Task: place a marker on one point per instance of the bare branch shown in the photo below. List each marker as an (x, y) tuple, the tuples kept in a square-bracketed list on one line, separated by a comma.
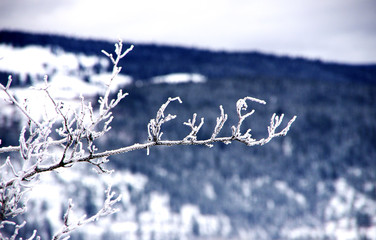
[(220, 122), (107, 209), (154, 126), (15, 102), (194, 129), (115, 71)]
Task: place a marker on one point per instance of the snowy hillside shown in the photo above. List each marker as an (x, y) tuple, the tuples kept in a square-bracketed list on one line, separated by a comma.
[(69, 75), (318, 182)]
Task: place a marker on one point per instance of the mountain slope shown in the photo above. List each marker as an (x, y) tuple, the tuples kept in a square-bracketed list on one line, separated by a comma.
[(153, 60)]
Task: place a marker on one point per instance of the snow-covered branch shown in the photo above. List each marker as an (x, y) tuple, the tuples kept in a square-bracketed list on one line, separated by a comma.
[(77, 130), (40, 151), (13, 100), (17, 228), (155, 133), (69, 225)]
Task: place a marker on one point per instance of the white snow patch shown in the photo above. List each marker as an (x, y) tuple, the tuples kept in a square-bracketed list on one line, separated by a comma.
[(342, 222), (69, 87), (104, 79), (303, 232), (158, 220), (209, 225), (119, 227), (159, 204), (65, 77), (187, 214), (31, 59), (209, 191), (176, 78), (88, 61), (261, 181), (338, 205), (136, 180), (38, 103), (61, 87), (270, 204), (37, 60), (369, 186), (287, 147), (321, 187), (247, 188), (92, 231), (284, 188), (47, 198), (161, 223), (357, 172)]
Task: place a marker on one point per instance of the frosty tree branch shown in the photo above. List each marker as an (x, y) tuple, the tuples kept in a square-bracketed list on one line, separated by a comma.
[(40, 151), (14, 101), (17, 227), (107, 209)]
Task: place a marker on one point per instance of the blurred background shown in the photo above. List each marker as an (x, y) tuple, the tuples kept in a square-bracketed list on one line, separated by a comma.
[(316, 60)]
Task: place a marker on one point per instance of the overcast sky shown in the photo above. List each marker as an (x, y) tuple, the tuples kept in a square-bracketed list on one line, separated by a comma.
[(330, 30)]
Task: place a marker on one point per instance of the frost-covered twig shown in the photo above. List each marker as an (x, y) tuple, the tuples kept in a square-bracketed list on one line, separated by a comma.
[(69, 226), (220, 122), (15, 102), (16, 230), (155, 133), (41, 152), (115, 71), (154, 126), (194, 129)]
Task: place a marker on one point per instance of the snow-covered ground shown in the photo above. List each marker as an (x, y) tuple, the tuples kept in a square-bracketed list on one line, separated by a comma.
[(176, 78), (66, 74)]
